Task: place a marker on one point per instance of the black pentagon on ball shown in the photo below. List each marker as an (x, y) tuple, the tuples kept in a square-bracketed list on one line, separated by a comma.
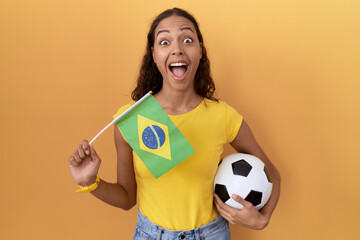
[(222, 192), (254, 197), (241, 168)]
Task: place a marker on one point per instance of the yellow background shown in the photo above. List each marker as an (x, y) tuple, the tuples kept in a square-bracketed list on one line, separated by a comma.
[(291, 68)]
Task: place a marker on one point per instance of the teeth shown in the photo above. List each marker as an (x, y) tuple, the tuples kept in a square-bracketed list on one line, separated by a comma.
[(177, 64)]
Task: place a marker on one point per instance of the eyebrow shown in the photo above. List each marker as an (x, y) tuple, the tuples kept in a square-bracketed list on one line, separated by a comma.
[(167, 31)]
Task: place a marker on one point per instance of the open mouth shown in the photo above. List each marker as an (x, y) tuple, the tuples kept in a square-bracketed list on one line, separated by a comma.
[(178, 69)]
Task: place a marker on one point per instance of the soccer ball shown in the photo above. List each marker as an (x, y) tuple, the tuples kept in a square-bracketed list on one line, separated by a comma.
[(244, 175)]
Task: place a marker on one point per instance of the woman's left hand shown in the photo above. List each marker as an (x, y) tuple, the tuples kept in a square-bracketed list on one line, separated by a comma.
[(248, 217)]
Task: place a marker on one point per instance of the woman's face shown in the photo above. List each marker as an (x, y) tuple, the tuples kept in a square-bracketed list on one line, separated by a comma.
[(177, 52)]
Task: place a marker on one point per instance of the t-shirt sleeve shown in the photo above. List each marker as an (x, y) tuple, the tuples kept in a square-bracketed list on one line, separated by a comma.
[(233, 122), (122, 109)]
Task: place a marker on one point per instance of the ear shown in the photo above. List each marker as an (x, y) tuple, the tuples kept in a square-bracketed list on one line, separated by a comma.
[(153, 55)]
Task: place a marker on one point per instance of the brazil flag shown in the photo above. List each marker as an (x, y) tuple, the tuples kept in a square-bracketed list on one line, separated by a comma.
[(154, 137)]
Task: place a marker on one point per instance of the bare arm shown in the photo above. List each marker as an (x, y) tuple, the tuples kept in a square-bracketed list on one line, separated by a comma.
[(249, 217), (121, 194)]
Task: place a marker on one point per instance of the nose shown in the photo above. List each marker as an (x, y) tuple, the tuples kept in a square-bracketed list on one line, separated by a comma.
[(177, 50)]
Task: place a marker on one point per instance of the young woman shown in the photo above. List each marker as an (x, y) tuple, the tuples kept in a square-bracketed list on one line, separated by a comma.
[(180, 204)]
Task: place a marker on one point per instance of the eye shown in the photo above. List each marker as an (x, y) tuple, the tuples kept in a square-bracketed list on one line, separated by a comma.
[(164, 42), (188, 40)]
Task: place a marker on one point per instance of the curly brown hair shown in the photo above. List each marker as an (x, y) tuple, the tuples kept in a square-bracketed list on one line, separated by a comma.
[(150, 77)]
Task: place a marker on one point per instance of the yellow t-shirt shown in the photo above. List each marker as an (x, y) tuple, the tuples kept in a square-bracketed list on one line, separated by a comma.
[(182, 198)]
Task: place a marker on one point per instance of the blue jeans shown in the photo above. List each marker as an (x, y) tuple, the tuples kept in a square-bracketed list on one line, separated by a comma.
[(215, 230)]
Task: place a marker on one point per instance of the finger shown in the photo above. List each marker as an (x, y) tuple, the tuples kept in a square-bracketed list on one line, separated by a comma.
[(93, 154), (222, 210), (72, 161), (227, 217), (86, 146), (77, 157), (81, 151), (218, 201), (242, 201), (221, 205)]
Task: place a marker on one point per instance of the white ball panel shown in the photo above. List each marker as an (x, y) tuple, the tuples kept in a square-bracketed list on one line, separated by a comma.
[(266, 194), (240, 186), (257, 180), (224, 170), (232, 203), (222, 179), (261, 205), (223, 173)]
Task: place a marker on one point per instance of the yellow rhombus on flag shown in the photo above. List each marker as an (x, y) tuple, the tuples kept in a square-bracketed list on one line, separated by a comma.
[(145, 124), (154, 137)]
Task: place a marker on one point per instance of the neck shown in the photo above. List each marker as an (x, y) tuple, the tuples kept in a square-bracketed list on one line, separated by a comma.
[(178, 102)]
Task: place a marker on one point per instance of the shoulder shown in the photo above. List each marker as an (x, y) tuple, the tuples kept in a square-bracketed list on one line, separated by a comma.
[(222, 113), (222, 110)]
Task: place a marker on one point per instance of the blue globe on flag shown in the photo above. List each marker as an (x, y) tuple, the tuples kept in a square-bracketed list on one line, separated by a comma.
[(153, 137)]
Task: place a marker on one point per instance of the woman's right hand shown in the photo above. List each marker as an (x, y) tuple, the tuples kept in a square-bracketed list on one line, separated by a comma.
[(84, 164)]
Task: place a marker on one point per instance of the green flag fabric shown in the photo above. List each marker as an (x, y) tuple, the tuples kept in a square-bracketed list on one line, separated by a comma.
[(154, 137)]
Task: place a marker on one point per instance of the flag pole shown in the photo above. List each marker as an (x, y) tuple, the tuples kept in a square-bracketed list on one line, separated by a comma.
[(122, 115)]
